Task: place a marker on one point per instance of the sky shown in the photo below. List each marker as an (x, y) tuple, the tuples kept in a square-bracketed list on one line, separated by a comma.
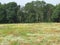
[(23, 2)]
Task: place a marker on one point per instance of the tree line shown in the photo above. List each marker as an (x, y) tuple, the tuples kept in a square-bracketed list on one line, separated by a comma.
[(32, 12)]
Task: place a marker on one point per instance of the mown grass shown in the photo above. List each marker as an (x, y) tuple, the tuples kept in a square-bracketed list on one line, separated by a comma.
[(30, 34)]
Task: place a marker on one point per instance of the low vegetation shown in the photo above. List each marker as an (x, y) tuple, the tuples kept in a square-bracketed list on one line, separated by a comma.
[(30, 34)]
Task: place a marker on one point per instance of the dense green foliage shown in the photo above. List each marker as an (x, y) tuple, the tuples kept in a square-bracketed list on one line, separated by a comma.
[(33, 12)]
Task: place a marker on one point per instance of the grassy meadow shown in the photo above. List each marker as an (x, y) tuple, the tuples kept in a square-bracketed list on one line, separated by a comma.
[(30, 34)]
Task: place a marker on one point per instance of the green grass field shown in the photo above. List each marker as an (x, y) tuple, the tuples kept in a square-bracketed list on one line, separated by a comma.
[(30, 34)]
